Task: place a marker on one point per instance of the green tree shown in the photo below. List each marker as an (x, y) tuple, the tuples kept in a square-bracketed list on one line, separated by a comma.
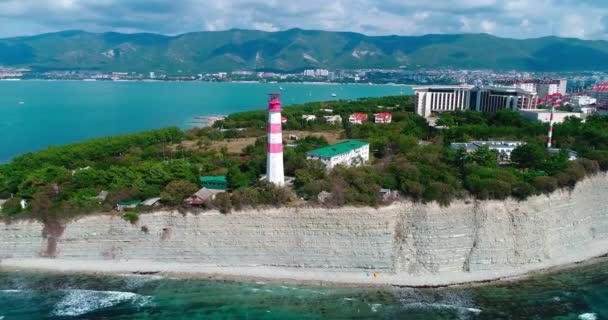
[(176, 191), (529, 156), (237, 179), (485, 157)]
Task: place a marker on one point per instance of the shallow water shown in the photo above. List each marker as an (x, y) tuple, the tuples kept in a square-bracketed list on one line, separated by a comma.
[(580, 293), (36, 114)]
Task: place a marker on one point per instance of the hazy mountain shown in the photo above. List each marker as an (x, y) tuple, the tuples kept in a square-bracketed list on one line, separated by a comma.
[(294, 50)]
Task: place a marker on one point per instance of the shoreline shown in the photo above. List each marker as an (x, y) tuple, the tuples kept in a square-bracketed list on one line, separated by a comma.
[(300, 276), (220, 82)]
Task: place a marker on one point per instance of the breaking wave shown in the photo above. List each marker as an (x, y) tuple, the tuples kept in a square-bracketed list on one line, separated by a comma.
[(80, 302)]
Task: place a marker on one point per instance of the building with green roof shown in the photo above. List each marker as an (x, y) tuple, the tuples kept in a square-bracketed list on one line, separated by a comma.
[(348, 153), (214, 182)]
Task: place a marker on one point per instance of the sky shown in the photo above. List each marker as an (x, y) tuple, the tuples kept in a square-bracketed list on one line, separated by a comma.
[(586, 19)]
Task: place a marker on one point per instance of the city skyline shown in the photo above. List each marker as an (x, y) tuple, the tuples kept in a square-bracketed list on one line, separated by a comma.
[(511, 18)]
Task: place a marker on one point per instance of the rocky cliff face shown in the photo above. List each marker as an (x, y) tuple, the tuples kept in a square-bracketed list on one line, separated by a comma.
[(468, 237)]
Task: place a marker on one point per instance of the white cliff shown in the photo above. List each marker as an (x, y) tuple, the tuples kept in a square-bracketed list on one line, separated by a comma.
[(406, 243)]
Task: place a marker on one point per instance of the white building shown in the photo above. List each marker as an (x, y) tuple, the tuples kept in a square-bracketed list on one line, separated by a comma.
[(461, 98), (348, 153), (333, 119), (502, 148), (309, 117), (357, 118), (442, 98), (582, 101), (494, 99), (309, 73), (546, 89), (544, 115), (383, 117)]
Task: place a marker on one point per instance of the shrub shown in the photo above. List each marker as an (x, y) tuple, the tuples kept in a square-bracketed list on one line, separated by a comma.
[(591, 167), (545, 184), (484, 188), (246, 197), (131, 217), (12, 207), (440, 192), (222, 202), (601, 156), (176, 191), (413, 189), (522, 190)]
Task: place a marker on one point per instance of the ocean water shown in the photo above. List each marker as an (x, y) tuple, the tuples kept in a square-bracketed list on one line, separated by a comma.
[(36, 114), (580, 293)]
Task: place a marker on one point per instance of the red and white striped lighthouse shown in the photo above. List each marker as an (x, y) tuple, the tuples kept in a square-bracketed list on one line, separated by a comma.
[(551, 123), (274, 164)]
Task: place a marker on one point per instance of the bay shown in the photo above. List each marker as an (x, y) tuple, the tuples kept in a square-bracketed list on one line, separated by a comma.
[(37, 114), (579, 293)]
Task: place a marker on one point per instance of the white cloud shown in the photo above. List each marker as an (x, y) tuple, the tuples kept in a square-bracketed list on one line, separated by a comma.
[(509, 18)]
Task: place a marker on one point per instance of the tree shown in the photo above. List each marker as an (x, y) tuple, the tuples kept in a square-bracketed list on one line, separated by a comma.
[(42, 203), (485, 157), (176, 191), (237, 178), (528, 156)]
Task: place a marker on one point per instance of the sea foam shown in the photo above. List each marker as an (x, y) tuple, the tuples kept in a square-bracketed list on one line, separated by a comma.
[(588, 316), (80, 302)]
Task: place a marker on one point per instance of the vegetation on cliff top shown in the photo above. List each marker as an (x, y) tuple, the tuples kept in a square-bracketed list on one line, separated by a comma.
[(408, 156)]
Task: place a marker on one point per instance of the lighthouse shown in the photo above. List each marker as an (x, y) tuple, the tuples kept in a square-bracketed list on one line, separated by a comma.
[(274, 164)]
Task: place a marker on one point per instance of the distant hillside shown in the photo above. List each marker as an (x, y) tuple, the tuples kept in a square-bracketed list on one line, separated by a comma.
[(294, 50)]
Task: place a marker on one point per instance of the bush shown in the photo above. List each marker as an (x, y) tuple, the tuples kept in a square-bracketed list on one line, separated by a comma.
[(591, 167), (176, 191), (440, 192), (246, 197), (573, 174), (131, 217), (484, 188), (522, 190), (222, 202), (12, 207), (545, 184), (413, 189), (601, 156)]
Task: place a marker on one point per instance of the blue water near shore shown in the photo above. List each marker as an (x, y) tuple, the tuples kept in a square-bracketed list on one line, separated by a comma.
[(581, 293), (36, 114)]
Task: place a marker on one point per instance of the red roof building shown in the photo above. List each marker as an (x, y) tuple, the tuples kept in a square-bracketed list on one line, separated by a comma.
[(283, 119), (384, 117), (357, 118)]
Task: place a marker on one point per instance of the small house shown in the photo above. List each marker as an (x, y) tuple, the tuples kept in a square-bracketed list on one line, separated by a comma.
[(124, 205), (204, 194), (309, 117), (357, 118), (283, 119), (333, 119), (214, 182), (383, 117), (572, 155), (152, 202)]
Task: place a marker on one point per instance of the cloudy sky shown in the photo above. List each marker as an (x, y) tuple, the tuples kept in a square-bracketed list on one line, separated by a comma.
[(509, 18)]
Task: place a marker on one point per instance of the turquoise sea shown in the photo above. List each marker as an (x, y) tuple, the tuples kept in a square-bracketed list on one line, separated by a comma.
[(36, 114), (575, 294)]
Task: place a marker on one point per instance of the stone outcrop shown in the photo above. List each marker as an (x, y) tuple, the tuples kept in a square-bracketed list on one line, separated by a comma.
[(411, 239)]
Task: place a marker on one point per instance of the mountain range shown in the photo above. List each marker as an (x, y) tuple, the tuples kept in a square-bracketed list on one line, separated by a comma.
[(295, 50)]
